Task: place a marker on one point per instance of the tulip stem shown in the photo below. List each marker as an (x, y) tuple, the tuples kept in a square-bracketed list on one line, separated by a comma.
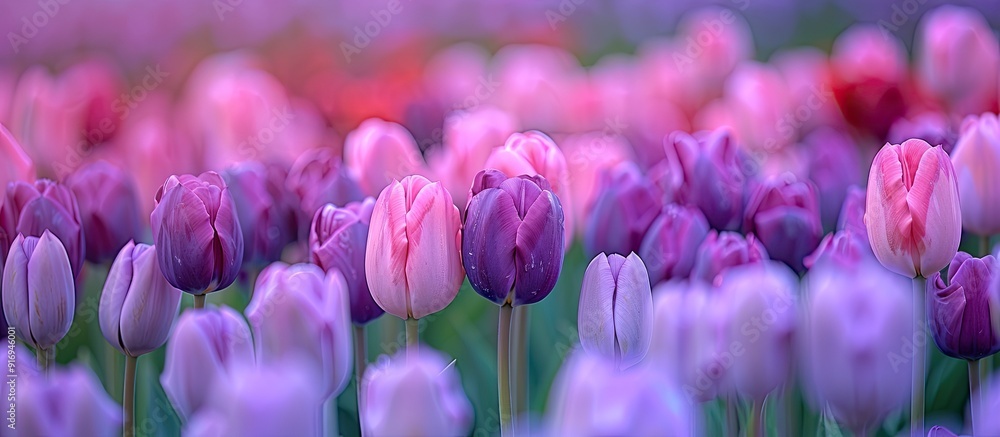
[(503, 369), (732, 416), (199, 301), (919, 358), (975, 402), (43, 359), (128, 399), (984, 245), (412, 335), (756, 421), (519, 356), (360, 359)]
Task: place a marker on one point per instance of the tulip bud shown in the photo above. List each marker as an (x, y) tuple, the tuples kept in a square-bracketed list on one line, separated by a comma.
[(32, 208), (625, 206), (15, 165), (138, 305), (109, 207), (960, 312), (784, 214), (39, 294), (417, 394), (977, 168), (199, 241), (268, 218), (66, 401), (205, 345), (720, 251), (337, 240), (710, 166), (417, 233), (958, 59), (834, 166), (616, 309), (378, 152), (912, 213), (298, 309), (318, 177), (513, 245), (671, 242)]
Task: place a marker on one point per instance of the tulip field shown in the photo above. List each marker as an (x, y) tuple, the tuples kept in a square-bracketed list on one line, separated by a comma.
[(524, 218)]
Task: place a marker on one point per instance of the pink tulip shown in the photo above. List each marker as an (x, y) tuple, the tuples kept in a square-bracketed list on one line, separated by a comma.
[(587, 155), (378, 152), (416, 230), (760, 104), (912, 213), (469, 139), (958, 59), (15, 165), (977, 167)]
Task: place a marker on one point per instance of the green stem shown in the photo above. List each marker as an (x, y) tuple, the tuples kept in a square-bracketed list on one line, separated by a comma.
[(412, 336), (756, 421), (503, 369), (43, 359), (732, 416), (975, 402), (128, 399), (984, 245), (519, 358), (199, 301), (360, 360), (919, 359)]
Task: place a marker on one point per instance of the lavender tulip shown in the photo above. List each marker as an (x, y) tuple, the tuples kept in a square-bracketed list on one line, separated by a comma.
[(199, 242), (711, 168), (784, 214), (66, 401), (267, 216), (337, 240), (616, 309), (512, 247), (834, 166), (109, 207), (39, 295), (669, 246), (960, 312), (319, 177), (720, 251), (625, 206), (32, 208)]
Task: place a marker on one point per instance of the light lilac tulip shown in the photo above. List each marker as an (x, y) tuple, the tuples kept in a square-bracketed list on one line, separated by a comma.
[(39, 292), (616, 309), (378, 151), (66, 401), (977, 168)]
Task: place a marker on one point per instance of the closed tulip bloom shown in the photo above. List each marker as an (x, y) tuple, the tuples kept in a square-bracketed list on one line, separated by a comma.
[(39, 294), (32, 208), (960, 312), (416, 394), (616, 309), (199, 241), (66, 401), (834, 166), (319, 177), (300, 309), (723, 250), (267, 216), (784, 214), (512, 247), (109, 207), (205, 345), (417, 233), (977, 167), (625, 207), (337, 240), (138, 305), (672, 240), (379, 151), (912, 213), (958, 59), (15, 165), (710, 168)]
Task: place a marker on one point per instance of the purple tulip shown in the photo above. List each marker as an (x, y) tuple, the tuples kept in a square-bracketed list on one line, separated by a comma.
[(32, 208), (784, 214), (266, 213), (199, 242), (319, 177), (834, 166), (300, 309), (933, 127), (39, 293), (721, 251), (960, 312), (66, 401), (843, 247), (338, 238), (138, 305), (616, 309), (205, 345), (109, 207), (671, 241), (416, 394), (625, 205), (512, 247), (711, 171)]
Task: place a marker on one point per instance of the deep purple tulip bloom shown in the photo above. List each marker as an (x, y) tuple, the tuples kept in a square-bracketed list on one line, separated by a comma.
[(712, 172), (32, 208), (39, 292), (671, 242), (66, 401), (512, 247), (721, 251), (834, 166), (109, 207), (338, 238), (960, 312), (267, 215), (784, 214), (319, 177), (625, 205), (199, 241)]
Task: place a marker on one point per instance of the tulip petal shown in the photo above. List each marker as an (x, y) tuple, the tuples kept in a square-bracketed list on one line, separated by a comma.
[(633, 311), (230, 245), (113, 294), (934, 205), (595, 320), (887, 215), (540, 239), (150, 307), (51, 292), (488, 244), (385, 270), (434, 266), (15, 286)]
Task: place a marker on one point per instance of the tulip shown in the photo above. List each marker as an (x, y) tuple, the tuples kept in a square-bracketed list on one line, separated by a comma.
[(299, 309), (758, 98), (337, 240), (378, 152), (977, 162), (784, 214), (869, 68), (844, 246), (934, 127), (959, 311), (31, 209), (267, 216), (513, 245), (318, 177), (199, 241), (587, 156), (710, 168), (761, 303), (912, 214), (15, 164), (39, 294), (414, 395), (834, 166), (590, 397), (469, 139), (205, 345), (723, 250), (616, 309), (958, 59), (671, 241), (109, 207), (66, 401), (415, 228), (625, 206)]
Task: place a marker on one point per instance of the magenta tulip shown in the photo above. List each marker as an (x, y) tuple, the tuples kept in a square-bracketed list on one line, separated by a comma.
[(338, 238), (378, 152), (958, 59), (709, 166), (616, 309), (468, 140), (109, 207)]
